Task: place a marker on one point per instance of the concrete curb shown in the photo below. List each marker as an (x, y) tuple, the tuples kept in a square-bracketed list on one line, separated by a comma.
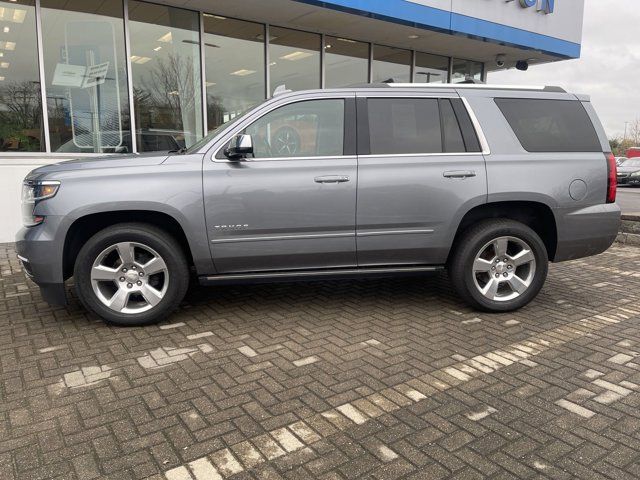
[(630, 230)]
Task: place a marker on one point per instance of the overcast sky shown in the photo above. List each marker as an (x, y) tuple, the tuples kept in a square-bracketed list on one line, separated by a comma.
[(609, 69)]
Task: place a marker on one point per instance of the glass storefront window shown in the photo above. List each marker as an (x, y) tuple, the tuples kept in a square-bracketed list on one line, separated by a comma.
[(391, 64), (20, 96), (294, 59), (431, 68), (466, 70), (235, 63), (86, 80), (165, 64), (346, 62)]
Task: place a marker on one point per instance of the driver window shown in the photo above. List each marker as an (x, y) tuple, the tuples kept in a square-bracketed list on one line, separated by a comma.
[(313, 128)]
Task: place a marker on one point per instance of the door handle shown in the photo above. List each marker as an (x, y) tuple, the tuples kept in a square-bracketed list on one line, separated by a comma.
[(332, 179), (459, 174)]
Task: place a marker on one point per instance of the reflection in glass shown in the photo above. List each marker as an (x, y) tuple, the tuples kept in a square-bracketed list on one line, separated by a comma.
[(20, 97), (466, 70), (346, 62), (85, 71), (391, 65), (294, 59), (165, 64), (234, 56), (431, 68)]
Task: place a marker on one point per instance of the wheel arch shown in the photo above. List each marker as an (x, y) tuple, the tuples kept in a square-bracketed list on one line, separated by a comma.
[(536, 215), (88, 225)]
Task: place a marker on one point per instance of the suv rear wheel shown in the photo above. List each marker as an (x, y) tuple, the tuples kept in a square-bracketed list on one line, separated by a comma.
[(131, 274), (499, 265)]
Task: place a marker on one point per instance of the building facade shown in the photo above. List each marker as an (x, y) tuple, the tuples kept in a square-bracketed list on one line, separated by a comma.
[(92, 77)]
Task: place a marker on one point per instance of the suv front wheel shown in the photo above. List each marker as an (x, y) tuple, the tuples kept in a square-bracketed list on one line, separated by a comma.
[(499, 265), (131, 274)]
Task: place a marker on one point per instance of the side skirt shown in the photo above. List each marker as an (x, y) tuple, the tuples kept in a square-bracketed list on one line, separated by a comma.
[(317, 275)]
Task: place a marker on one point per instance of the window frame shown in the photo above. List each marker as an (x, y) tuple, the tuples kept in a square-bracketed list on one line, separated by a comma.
[(216, 151), (470, 130)]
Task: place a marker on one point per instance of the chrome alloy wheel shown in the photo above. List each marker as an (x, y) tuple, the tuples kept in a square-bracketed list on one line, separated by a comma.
[(504, 269), (129, 277)]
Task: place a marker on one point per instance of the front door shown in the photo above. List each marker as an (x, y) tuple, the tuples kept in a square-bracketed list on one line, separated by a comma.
[(292, 204), (421, 168)]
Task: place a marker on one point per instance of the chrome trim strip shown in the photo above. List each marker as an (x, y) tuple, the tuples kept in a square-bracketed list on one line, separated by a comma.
[(282, 159), (394, 232), (22, 259), (318, 273), (43, 83), (486, 150), (127, 52), (283, 237), (419, 155)]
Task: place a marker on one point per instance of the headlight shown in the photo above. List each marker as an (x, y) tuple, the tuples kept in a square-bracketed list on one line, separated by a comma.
[(34, 192)]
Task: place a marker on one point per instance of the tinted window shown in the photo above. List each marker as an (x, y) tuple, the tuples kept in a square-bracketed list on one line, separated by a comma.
[(452, 136), (550, 125), (404, 125), (305, 129)]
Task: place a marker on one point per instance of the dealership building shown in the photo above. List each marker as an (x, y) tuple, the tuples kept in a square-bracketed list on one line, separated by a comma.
[(89, 77)]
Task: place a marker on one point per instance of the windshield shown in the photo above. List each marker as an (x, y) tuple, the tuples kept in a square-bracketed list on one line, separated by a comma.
[(218, 130)]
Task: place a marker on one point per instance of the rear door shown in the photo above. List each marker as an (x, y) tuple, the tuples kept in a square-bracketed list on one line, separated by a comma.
[(420, 168)]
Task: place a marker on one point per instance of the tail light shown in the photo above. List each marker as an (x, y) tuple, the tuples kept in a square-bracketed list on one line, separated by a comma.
[(612, 178)]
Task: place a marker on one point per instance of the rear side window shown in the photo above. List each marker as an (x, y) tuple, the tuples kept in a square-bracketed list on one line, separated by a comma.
[(550, 125), (404, 125)]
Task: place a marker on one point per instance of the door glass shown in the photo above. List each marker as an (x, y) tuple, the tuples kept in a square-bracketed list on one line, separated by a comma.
[(85, 70), (20, 96), (391, 65), (234, 55), (404, 125), (346, 62), (165, 65), (294, 59), (305, 129), (466, 70), (431, 68)]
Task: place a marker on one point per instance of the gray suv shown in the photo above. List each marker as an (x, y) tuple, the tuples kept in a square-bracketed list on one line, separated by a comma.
[(489, 182)]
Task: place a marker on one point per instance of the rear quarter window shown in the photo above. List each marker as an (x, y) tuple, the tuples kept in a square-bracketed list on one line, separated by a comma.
[(550, 125)]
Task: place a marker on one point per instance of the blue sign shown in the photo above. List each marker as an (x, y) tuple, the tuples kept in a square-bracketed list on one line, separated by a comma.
[(546, 6)]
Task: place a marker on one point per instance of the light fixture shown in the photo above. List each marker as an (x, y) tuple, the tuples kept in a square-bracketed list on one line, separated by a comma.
[(175, 92), (209, 84), (346, 40), (272, 64), (15, 15), (7, 46), (1, 54), (243, 72), (297, 55), (4, 64), (1, 79), (327, 46), (211, 15), (413, 37), (6, 29), (166, 38), (157, 49)]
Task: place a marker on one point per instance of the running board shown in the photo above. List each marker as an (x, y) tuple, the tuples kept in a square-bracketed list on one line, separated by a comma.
[(313, 275)]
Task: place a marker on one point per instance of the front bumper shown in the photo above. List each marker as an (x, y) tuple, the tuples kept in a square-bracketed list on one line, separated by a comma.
[(40, 255), (587, 231)]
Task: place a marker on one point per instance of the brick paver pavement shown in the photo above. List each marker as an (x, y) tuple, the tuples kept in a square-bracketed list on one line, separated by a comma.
[(371, 379)]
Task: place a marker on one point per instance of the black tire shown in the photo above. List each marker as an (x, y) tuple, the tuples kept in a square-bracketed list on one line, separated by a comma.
[(164, 244), (472, 241)]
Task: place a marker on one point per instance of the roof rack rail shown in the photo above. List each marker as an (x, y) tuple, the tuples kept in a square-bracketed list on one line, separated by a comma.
[(482, 86)]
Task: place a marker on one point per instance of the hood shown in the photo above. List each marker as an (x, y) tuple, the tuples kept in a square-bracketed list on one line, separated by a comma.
[(101, 163)]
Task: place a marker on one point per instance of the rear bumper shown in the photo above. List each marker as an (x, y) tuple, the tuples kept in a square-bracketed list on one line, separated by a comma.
[(587, 231), (41, 258)]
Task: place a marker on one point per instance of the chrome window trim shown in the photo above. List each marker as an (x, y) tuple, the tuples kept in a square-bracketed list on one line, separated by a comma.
[(484, 145), (267, 108), (285, 159), (420, 155)]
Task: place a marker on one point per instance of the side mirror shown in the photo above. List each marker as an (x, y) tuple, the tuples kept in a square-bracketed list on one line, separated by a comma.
[(239, 147)]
